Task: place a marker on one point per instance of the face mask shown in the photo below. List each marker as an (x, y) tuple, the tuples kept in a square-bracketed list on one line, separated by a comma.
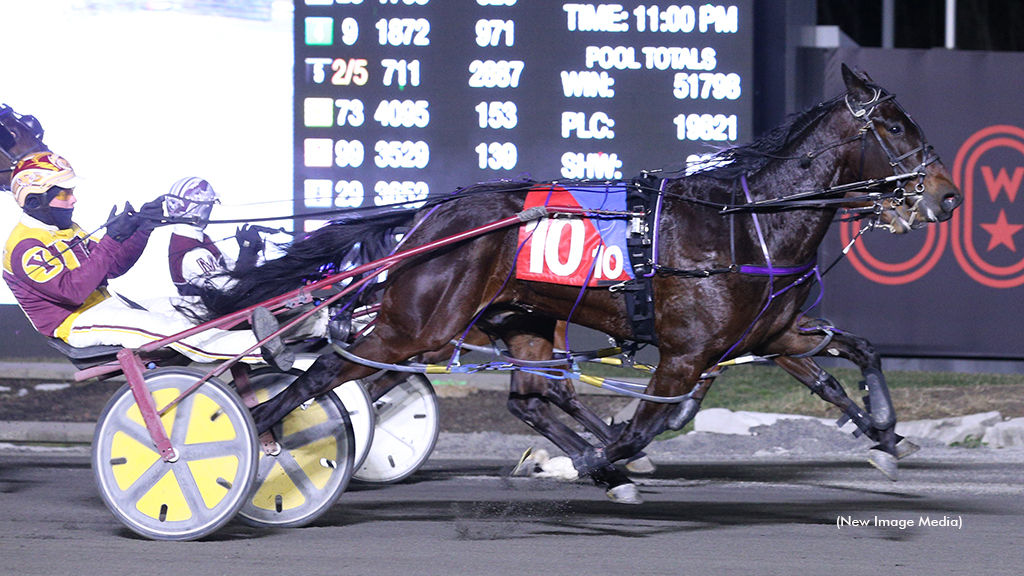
[(61, 217), (204, 216)]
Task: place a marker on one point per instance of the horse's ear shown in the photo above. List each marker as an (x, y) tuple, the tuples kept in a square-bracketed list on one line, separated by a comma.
[(856, 84)]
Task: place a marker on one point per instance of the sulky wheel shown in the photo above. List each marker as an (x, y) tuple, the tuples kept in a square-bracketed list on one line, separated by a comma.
[(298, 484), (364, 418), (215, 440), (405, 434), (356, 400)]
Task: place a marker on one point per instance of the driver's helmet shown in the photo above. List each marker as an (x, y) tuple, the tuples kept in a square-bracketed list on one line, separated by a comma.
[(192, 198), (38, 172)]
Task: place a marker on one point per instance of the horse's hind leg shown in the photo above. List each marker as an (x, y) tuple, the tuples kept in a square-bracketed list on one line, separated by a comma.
[(530, 338), (676, 375), (325, 374), (557, 392), (563, 394)]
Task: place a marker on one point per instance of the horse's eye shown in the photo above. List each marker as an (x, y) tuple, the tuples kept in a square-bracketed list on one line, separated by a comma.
[(895, 129)]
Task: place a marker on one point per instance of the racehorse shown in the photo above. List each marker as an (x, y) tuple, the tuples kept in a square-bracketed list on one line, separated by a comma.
[(20, 135), (732, 275)]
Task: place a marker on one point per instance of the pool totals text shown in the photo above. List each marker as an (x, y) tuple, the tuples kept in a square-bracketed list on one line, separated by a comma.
[(398, 100)]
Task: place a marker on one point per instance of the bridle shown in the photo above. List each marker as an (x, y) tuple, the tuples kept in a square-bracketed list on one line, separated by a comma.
[(903, 172), (28, 123), (897, 162)]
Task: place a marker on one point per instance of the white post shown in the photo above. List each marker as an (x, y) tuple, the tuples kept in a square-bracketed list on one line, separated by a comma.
[(950, 24)]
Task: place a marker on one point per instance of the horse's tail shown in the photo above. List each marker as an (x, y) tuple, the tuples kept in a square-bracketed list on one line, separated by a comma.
[(340, 244)]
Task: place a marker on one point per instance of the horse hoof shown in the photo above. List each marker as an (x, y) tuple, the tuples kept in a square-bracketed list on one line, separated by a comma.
[(641, 465), (905, 448), (625, 494), (885, 462), (530, 462)]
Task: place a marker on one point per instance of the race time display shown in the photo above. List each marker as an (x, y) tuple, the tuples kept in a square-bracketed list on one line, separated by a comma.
[(397, 100)]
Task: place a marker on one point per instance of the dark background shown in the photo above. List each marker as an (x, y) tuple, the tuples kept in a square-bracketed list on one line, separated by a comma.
[(945, 312), (980, 24)]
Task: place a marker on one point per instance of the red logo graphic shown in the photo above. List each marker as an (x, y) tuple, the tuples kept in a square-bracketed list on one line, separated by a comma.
[(985, 233)]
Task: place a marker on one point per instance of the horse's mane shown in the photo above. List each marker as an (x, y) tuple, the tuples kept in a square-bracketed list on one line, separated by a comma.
[(748, 159)]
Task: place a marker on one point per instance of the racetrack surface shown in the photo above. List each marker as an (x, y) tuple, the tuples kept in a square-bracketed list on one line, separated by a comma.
[(752, 515), (782, 501)]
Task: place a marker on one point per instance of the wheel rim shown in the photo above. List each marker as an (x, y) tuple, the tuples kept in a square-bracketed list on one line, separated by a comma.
[(363, 416), (215, 439), (405, 432)]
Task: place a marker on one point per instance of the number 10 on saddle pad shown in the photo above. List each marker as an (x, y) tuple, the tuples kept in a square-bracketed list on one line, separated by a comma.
[(569, 250)]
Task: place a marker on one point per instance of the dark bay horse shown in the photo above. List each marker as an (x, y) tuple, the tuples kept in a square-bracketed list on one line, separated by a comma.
[(749, 223)]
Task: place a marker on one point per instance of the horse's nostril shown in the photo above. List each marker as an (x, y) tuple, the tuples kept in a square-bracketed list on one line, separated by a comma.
[(951, 201)]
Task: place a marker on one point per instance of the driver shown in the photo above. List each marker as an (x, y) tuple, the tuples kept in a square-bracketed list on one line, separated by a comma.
[(59, 274), (196, 264)]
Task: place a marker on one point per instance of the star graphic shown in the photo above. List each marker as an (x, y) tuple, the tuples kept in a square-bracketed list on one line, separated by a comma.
[(1002, 232)]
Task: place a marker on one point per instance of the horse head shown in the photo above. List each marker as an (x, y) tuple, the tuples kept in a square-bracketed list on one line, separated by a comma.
[(893, 147), (20, 135)]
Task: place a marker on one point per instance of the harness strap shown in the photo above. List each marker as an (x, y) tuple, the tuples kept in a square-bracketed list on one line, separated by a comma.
[(638, 292), (774, 271), (829, 334)]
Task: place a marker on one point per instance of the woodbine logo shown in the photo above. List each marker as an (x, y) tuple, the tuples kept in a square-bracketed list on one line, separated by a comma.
[(901, 523), (989, 170)]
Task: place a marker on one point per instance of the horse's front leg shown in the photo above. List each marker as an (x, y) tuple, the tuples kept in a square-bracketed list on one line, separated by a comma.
[(878, 421), (884, 454), (684, 412), (878, 402)]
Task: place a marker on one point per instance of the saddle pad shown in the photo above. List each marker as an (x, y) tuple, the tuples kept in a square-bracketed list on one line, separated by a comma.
[(569, 250)]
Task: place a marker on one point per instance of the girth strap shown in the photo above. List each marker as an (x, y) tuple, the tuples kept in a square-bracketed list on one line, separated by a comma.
[(638, 292)]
